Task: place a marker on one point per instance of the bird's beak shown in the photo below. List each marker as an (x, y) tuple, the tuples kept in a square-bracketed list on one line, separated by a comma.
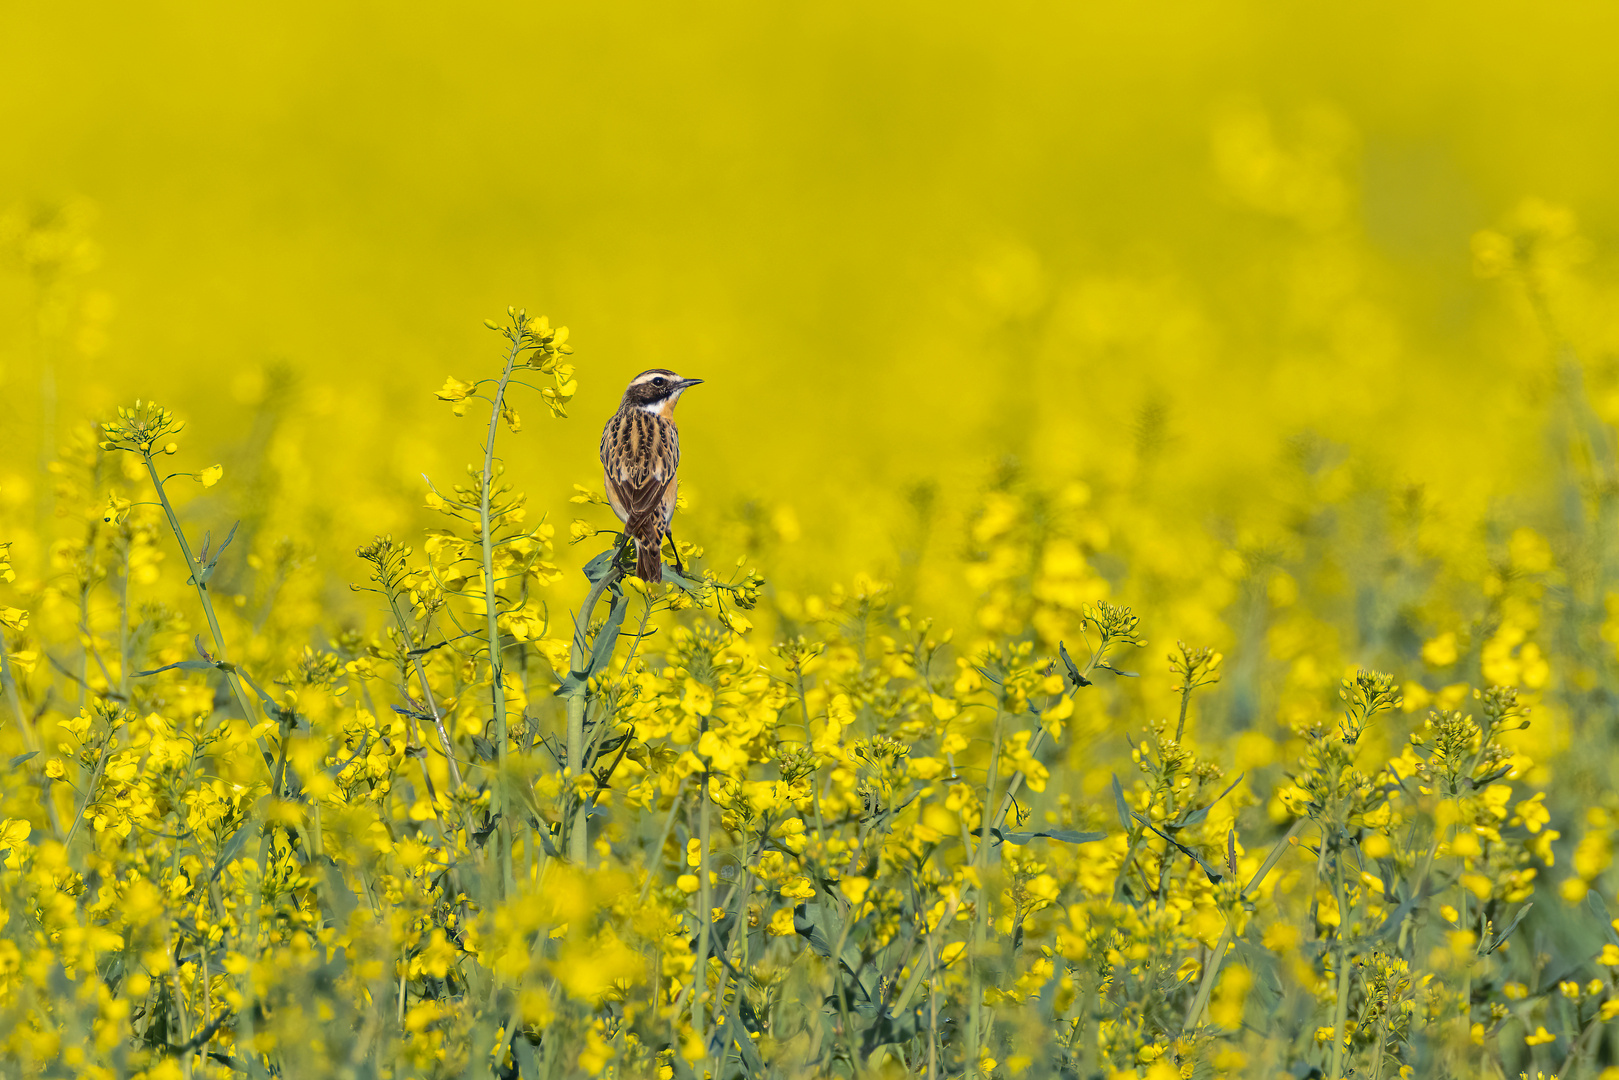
[(684, 383)]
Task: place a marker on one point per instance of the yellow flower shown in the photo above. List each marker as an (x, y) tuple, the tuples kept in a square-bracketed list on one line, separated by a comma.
[(14, 837), (798, 888), (1540, 1035), (454, 390), (211, 475)]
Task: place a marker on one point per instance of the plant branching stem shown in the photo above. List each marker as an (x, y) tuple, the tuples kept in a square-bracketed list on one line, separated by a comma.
[(203, 596), (1016, 783), (255, 819), (1194, 1015), (89, 790)]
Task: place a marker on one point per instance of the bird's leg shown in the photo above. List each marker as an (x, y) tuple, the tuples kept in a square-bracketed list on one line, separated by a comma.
[(675, 548)]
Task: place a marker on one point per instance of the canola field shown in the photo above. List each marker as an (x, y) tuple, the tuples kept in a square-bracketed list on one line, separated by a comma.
[(1147, 600)]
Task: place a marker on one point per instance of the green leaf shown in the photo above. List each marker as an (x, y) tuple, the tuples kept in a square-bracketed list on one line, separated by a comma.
[(1122, 806), (182, 665), (820, 924), (528, 1058), (1594, 901), (208, 570), (270, 704), (1397, 916), (1501, 938), (339, 897), (1067, 836), (229, 850), (601, 651), (685, 581), (20, 758), (1214, 875), (1196, 817), (1074, 676), (890, 1029), (597, 568), (737, 1029)]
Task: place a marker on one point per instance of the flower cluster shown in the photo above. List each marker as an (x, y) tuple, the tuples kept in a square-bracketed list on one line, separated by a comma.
[(716, 828)]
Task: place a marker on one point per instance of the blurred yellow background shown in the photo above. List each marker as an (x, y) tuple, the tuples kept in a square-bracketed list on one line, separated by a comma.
[(1149, 246)]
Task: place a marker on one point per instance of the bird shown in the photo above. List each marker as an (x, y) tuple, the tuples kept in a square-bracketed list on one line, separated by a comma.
[(640, 454)]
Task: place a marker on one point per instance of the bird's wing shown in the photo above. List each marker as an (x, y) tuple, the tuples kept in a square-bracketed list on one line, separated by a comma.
[(640, 453)]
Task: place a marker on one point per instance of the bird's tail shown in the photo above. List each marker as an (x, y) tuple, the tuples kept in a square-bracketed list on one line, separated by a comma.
[(648, 536)]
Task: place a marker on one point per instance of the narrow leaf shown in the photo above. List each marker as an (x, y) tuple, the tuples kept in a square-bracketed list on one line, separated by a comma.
[(1196, 817), (1073, 672), (1123, 807), (208, 570), (183, 665), (601, 652), (597, 568), (1501, 938), (1215, 876), (1595, 902), (1067, 836)]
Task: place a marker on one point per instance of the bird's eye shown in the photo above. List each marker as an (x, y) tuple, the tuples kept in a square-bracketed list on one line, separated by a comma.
[(659, 381)]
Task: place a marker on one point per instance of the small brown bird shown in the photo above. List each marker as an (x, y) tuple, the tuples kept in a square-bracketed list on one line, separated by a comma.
[(640, 453)]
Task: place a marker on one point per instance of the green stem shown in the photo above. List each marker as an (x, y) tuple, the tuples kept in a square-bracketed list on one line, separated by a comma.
[(1340, 1011), (933, 1024), (705, 920), (203, 597), (593, 745), (492, 619), (975, 1019), (1136, 832), (123, 628), (655, 854), (30, 739), (444, 742), (578, 701), (15, 698), (89, 790), (734, 1031)]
